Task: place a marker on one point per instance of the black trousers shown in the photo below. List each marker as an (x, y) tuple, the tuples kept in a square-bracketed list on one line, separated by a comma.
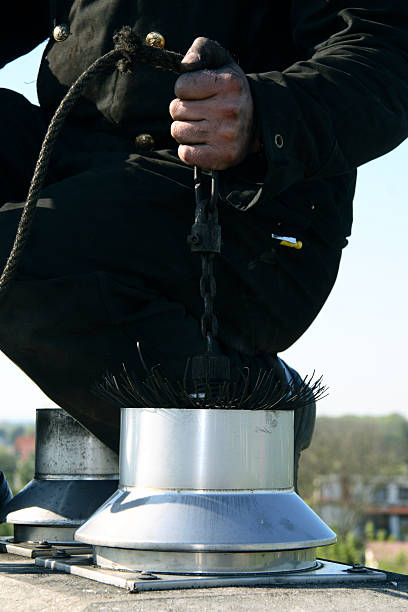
[(107, 266)]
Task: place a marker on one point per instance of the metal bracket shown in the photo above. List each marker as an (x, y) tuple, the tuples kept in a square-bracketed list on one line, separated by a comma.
[(205, 238), (33, 550), (326, 572)]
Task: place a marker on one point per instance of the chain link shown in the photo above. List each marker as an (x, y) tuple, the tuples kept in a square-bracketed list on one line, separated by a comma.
[(206, 240), (208, 287)]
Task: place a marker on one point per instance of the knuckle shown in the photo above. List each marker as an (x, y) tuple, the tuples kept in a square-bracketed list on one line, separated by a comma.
[(232, 81), (231, 111), (229, 133)]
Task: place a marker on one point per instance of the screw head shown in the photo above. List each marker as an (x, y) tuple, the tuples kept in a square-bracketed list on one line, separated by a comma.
[(145, 575), (42, 544), (61, 553)]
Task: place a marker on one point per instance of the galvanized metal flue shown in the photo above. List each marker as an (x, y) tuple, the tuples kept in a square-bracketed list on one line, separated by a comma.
[(74, 474), (205, 492)]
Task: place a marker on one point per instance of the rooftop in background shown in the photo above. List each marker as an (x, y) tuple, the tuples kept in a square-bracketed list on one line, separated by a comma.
[(24, 446)]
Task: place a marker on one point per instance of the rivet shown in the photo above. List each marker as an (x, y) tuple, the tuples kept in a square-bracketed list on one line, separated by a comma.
[(61, 553), (145, 575), (42, 544)]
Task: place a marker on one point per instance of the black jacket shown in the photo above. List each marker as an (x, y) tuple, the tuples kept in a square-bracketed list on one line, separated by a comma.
[(329, 82)]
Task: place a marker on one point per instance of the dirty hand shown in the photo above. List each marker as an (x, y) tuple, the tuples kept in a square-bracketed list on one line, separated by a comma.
[(213, 114)]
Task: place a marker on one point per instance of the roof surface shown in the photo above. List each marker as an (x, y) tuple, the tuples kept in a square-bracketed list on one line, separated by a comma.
[(26, 587)]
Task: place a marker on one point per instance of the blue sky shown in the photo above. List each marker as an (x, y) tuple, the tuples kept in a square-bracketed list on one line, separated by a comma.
[(359, 340)]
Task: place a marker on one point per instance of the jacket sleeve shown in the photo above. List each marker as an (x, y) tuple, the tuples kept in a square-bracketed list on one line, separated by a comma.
[(23, 26), (345, 103)]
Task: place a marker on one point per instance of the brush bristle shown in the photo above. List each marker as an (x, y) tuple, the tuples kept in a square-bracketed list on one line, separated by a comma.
[(267, 392)]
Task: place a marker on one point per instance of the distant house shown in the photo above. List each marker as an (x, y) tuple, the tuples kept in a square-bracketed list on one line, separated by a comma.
[(350, 501), (24, 446)]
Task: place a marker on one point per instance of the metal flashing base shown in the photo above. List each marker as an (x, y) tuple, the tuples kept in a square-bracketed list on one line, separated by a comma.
[(199, 563), (205, 492), (74, 474), (43, 548), (326, 573)]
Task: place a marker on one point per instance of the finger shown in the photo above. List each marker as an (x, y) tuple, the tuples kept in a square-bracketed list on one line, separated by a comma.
[(190, 132), (191, 110), (205, 84), (205, 53), (199, 85), (205, 156)]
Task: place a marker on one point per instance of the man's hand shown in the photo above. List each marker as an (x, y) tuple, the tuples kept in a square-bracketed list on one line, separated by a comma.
[(213, 114)]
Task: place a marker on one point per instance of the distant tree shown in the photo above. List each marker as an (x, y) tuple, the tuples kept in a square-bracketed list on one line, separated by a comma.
[(25, 471), (8, 463), (349, 445), (348, 549), (369, 530), (10, 431)]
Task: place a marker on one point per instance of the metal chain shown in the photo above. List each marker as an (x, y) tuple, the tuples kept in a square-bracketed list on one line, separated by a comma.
[(209, 323), (205, 239)]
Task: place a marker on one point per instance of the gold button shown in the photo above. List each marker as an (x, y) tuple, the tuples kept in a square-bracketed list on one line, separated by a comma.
[(155, 39), (61, 32), (145, 142)]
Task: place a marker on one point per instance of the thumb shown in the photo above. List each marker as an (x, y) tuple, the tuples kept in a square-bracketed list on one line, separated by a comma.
[(205, 53)]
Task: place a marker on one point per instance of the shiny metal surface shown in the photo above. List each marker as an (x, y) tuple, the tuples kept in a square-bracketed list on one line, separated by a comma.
[(35, 533), (205, 562), (206, 449), (65, 448), (40, 546), (74, 474), (326, 574), (61, 32), (215, 521), (206, 491), (58, 502), (155, 39)]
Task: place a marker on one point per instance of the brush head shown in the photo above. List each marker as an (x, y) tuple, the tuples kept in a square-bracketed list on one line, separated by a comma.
[(274, 389)]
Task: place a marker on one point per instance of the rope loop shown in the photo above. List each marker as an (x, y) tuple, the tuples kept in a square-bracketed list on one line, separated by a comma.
[(128, 52), (134, 51), (128, 44)]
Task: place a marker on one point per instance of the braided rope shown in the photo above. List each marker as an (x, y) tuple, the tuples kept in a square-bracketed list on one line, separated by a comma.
[(129, 51)]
